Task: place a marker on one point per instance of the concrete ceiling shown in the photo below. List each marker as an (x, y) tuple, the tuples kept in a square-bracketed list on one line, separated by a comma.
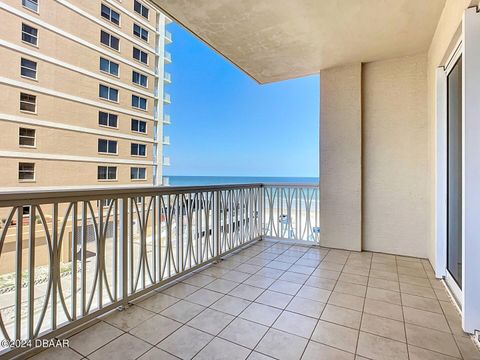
[(273, 40)]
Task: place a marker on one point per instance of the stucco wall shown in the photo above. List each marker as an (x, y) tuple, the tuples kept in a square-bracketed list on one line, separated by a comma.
[(395, 156), (340, 157)]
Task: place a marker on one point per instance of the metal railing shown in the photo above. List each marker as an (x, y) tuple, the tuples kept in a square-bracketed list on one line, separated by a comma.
[(68, 256)]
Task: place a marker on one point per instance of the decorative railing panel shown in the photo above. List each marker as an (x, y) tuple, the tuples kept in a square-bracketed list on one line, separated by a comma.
[(68, 256)]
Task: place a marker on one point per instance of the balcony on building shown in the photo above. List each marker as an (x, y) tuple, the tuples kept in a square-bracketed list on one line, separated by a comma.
[(167, 98), (166, 140), (166, 119), (168, 37), (167, 77), (166, 161), (168, 57)]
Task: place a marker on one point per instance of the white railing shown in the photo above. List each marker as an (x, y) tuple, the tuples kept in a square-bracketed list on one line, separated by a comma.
[(69, 256), (167, 77), (167, 98), (167, 57), (166, 140), (168, 37), (166, 119)]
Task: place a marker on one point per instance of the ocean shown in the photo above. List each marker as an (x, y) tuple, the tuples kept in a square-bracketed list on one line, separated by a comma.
[(220, 180)]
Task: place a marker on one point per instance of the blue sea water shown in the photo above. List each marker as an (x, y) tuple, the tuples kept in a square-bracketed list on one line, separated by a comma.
[(221, 180)]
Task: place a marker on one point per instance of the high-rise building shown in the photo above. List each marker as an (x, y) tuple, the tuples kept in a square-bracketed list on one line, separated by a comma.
[(83, 93)]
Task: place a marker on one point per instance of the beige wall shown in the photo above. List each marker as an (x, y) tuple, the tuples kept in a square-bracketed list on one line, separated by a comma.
[(395, 156), (340, 157)]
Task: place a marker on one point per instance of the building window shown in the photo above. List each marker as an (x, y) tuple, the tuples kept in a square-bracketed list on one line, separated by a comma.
[(107, 173), (108, 93), (26, 210), (107, 146), (28, 68), (30, 4), (140, 32), (26, 137), (139, 102), (109, 66), (139, 79), (110, 15), (140, 8), (107, 119), (109, 40), (140, 55), (28, 103), (139, 126), (138, 173), (138, 149), (29, 34), (26, 171)]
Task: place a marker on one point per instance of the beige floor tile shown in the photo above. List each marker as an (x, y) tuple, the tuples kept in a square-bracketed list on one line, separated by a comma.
[(155, 329), (157, 354), (392, 297), (231, 305), (384, 284), (259, 281), (426, 319), (57, 354), (257, 356), (326, 265), (356, 270), (417, 290), (211, 321), (262, 314), (244, 332), (353, 278), (317, 351), (180, 290), (275, 299), (383, 309), (385, 275), (294, 277), (467, 348), (182, 311), (125, 347), (129, 318), (306, 307), (302, 269), (94, 337), (204, 297), (185, 342), (236, 276), (377, 347), (442, 294), (279, 265), (199, 280), (350, 288), (338, 336), (158, 302), (342, 316), (221, 286), (322, 283), (219, 349), (281, 345), (314, 293), (270, 272), (432, 340), (285, 287), (346, 301), (327, 274), (417, 353), (249, 268), (422, 303), (381, 326), (415, 280), (295, 324), (246, 292)]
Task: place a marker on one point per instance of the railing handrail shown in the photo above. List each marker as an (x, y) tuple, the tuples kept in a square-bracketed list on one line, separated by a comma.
[(7, 197)]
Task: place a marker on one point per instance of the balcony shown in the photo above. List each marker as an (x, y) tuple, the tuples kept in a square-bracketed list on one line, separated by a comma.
[(167, 56), (166, 119), (167, 98), (167, 78), (166, 140), (209, 270), (168, 37), (166, 161)]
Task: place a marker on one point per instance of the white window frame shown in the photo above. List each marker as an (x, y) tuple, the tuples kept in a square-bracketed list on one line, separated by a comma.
[(34, 102), (110, 62), (142, 31), (21, 137), (26, 172), (139, 76), (140, 98), (26, 67), (107, 172), (133, 168), (108, 146), (142, 6), (109, 19), (139, 121), (33, 36), (110, 88), (31, 1), (108, 120), (110, 36), (138, 149), (140, 57)]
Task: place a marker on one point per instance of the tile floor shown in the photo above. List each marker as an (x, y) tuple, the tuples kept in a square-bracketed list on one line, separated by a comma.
[(279, 301)]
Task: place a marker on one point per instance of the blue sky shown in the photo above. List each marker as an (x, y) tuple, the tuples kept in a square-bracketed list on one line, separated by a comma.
[(224, 123)]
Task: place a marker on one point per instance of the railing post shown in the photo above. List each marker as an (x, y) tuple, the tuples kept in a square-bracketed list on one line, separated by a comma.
[(216, 223), (124, 251), (261, 220)]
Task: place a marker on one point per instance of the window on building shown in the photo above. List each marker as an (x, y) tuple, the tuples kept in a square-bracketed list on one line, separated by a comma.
[(108, 93), (26, 210), (140, 32), (107, 119), (26, 171), (28, 68), (140, 8), (107, 146), (109, 66), (28, 102), (139, 102), (138, 173), (139, 126), (29, 34), (140, 55), (139, 79), (138, 149), (110, 15), (30, 4), (109, 40), (107, 173), (26, 137)]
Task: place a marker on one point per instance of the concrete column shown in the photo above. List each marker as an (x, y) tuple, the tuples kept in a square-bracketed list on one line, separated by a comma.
[(341, 157)]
